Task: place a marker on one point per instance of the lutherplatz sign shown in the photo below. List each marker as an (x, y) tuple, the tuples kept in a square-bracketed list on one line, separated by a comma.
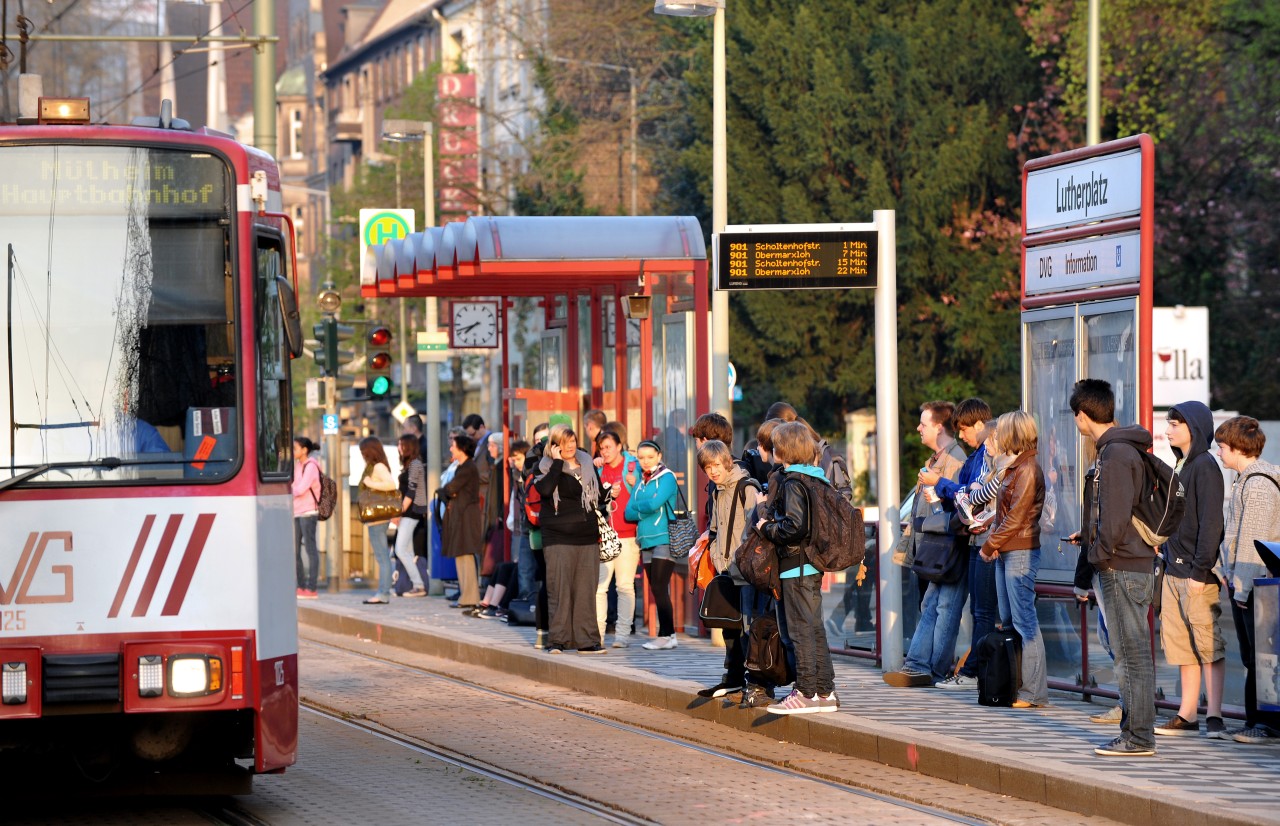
[(1100, 188)]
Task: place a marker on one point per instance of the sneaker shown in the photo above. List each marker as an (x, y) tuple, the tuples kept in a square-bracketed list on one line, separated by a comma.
[(661, 643), (593, 649), (377, 600), (416, 592), (1110, 717), (1215, 729), (828, 703), (721, 688), (301, 591), (1256, 736), (908, 678), (1121, 747), (305, 594), (796, 703), (540, 640), (555, 649), (488, 613), (958, 682), (620, 641), (964, 506), (756, 697), (1178, 726)]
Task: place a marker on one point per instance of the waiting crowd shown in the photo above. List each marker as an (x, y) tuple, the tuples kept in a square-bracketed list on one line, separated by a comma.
[(586, 513)]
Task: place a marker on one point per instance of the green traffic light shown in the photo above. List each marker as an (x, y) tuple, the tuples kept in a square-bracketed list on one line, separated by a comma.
[(380, 386)]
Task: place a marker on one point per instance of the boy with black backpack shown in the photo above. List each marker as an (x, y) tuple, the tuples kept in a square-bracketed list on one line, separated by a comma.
[(1125, 563), (790, 527)]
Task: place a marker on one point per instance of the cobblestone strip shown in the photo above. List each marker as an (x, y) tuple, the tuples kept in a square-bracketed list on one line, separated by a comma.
[(680, 773)]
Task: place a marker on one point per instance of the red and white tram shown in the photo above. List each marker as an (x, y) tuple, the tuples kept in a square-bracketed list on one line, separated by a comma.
[(147, 614)]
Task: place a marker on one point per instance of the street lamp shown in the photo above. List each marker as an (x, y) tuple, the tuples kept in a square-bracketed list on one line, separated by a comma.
[(720, 401), (631, 80), (396, 130)]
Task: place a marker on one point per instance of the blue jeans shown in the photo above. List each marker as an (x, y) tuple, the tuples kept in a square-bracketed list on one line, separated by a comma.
[(526, 566), (933, 645), (377, 533), (305, 552), (1127, 595), (1016, 594), (984, 606)]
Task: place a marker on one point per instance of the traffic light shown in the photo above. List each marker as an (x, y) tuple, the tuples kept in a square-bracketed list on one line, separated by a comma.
[(328, 334), (378, 362)]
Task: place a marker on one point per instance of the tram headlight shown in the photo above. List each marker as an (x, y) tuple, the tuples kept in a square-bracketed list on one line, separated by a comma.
[(192, 675), (150, 676), (15, 683)]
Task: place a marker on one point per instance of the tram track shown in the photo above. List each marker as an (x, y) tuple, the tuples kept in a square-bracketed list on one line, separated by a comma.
[(616, 725)]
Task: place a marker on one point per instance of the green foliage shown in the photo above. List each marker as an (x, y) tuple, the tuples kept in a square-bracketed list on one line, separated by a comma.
[(553, 184), (838, 110)]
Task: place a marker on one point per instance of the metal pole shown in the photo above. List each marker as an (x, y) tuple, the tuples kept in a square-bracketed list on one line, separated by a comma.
[(1094, 125), (334, 558), (432, 426), (264, 77), (887, 440), (720, 402), (635, 168)]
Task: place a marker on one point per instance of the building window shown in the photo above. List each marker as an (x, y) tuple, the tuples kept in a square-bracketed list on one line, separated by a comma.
[(295, 134)]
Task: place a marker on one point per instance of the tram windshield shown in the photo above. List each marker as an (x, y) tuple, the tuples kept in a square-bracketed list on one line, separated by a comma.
[(118, 361)]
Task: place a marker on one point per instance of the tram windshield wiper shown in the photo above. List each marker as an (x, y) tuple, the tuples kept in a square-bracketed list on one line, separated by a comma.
[(105, 463)]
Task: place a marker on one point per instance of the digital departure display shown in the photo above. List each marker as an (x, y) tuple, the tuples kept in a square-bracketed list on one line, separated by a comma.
[(796, 260)]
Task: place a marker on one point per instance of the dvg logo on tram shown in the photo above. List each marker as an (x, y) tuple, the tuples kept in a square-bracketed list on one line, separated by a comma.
[(17, 590)]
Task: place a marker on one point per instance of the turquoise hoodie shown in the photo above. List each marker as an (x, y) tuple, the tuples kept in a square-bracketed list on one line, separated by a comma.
[(649, 506)]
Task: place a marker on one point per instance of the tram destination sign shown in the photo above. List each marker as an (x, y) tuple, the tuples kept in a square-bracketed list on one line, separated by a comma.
[(799, 260)]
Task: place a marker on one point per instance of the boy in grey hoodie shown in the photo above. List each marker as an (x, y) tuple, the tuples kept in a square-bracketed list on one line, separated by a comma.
[(1253, 513), (1190, 631)]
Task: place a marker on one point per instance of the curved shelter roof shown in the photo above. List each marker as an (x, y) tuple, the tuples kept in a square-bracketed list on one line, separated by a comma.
[(532, 256)]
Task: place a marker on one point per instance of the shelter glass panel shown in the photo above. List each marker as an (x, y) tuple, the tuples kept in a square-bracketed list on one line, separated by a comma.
[(1050, 366)]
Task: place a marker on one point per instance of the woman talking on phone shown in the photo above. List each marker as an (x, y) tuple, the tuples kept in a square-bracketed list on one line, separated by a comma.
[(570, 492)]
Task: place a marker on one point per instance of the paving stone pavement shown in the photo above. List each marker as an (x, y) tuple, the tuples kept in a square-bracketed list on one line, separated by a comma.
[(1223, 778)]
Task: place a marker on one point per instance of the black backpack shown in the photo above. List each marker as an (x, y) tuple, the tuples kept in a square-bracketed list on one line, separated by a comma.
[(766, 656), (999, 668), (1161, 502), (837, 539)]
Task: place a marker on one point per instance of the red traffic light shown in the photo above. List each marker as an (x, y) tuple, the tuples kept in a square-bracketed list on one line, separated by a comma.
[(380, 361), (380, 336)]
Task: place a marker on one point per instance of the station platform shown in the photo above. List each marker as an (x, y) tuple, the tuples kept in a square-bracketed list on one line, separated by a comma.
[(1041, 755)]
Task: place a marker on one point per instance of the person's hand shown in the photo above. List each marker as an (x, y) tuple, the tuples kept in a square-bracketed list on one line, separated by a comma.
[(598, 462), (930, 477), (1081, 594), (988, 557), (631, 480), (1074, 538), (760, 524), (1195, 586), (554, 451)]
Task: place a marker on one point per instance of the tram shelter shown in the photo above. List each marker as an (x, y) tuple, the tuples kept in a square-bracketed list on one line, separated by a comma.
[(572, 335)]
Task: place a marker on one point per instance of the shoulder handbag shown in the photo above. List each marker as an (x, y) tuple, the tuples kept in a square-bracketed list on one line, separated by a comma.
[(681, 532), (940, 552), (721, 606), (377, 505), (610, 544)]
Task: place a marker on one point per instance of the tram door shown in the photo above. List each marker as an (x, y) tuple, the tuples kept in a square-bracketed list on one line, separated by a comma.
[(1061, 345)]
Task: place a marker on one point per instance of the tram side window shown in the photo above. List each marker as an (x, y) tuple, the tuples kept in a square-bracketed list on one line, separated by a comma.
[(275, 423)]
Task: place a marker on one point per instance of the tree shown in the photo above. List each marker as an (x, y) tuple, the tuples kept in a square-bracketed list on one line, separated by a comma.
[(836, 110), (1203, 80)]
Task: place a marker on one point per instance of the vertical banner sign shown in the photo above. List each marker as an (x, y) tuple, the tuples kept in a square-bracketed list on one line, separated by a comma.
[(459, 146), (1180, 350)]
